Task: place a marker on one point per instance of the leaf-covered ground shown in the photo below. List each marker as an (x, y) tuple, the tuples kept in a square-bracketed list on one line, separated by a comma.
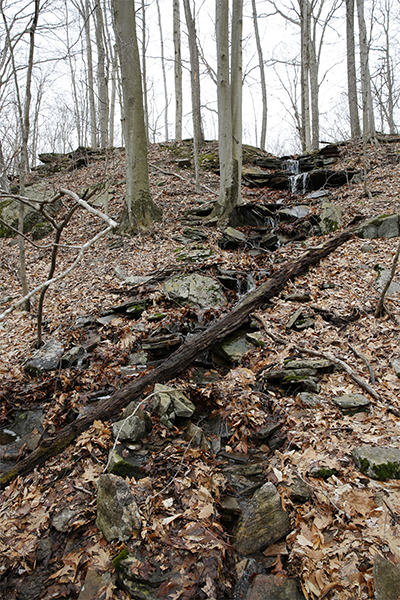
[(349, 517)]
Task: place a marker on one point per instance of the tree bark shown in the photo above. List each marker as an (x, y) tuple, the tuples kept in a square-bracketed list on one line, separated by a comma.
[(164, 73), (181, 359), (194, 72), (102, 76), (139, 209), (351, 71), (177, 70), (368, 112), (262, 76)]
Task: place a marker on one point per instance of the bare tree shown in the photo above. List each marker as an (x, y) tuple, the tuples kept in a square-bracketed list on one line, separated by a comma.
[(177, 70), (262, 75), (351, 71), (367, 106), (229, 107), (139, 209), (102, 76)]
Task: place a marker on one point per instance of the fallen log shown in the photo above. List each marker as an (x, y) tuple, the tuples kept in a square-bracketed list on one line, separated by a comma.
[(180, 359)]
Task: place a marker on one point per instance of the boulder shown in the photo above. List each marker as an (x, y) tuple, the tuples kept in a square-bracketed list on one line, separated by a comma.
[(117, 512), (384, 226), (195, 290), (378, 462), (262, 522), (331, 217)]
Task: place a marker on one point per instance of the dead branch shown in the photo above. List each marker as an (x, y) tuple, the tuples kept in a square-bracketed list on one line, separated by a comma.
[(366, 361), (179, 360), (381, 303)]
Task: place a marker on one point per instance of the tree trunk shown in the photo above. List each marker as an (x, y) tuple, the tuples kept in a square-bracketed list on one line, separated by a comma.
[(229, 93), (144, 71), (164, 74), (102, 77), (368, 112), (351, 71), (180, 360), (304, 77), (314, 92), (195, 72), (177, 70), (262, 76), (139, 209)]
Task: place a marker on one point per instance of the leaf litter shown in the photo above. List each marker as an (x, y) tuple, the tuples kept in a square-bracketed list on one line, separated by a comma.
[(349, 517)]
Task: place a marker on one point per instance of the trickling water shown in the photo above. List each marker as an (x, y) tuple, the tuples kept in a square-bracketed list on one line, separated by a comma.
[(297, 181)]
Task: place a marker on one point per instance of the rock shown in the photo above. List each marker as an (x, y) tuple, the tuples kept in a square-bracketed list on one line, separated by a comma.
[(195, 435), (351, 402), (299, 491), (129, 568), (63, 520), (378, 462), (273, 587), (130, 279), (386, 579), (311, 400), (72, 356), (138, 358), (195, 290), (126, 462), (382, 279), (41, 230), (94, 586), (45, 359), (395, 364), (233, 347), (385, 226), (171, 403), (319, 364), (195, 254), (132, 428), (117, 512), (293, 213), (331, 217), (263, 521)]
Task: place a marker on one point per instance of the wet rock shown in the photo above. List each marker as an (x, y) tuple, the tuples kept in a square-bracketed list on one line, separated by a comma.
[(378, 462), (386, 579), (351, 403), (117, 512), (263, 521), (45, 359), (331, 217), (195, 290), (273, 587), (385, 226)]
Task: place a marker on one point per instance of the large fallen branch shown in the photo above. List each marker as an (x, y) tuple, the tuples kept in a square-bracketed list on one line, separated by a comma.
[(180, 360)]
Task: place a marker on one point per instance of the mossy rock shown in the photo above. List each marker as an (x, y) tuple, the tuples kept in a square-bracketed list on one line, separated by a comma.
[(209, 161), (41, 230), (378, 462)]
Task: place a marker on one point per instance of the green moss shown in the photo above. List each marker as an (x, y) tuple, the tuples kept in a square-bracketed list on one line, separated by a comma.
[(209, 161), (123, 555), (123, 469), (383, 471)]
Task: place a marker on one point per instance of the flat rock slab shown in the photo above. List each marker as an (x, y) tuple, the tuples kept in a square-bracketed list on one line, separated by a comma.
[(386, 579), (351, 402), (195, 290), (263, 521), (272, 587), (378, 462)]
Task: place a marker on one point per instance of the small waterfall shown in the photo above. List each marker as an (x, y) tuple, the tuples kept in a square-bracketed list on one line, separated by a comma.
[(297, 181)]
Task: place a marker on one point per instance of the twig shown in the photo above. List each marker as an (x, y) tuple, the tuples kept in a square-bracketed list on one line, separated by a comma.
[(328, 356), (381, 301), (364, 358)]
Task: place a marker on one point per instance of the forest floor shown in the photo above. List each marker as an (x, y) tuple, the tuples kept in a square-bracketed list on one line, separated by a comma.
[(349, 517)]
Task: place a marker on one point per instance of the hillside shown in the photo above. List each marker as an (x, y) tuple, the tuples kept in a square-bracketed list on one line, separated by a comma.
[(250, 429)]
